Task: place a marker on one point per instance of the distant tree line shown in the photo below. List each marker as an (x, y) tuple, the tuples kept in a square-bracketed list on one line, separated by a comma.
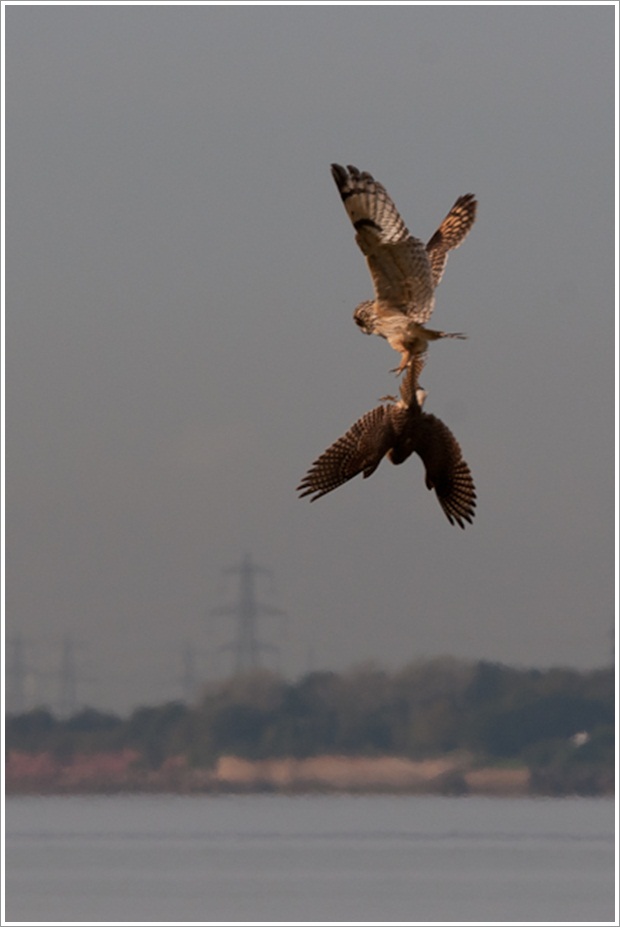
[(558, 722)]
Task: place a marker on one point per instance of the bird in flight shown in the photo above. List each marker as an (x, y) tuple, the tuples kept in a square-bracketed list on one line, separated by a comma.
[(397, 430), (405, 272)]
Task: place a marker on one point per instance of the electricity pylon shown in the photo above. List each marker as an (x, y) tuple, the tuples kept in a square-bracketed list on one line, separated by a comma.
[(67, 678), (16, 676), (247, 611)]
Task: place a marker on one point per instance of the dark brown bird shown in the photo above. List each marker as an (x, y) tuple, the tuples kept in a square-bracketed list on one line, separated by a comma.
[(397, 430), (404, 271)]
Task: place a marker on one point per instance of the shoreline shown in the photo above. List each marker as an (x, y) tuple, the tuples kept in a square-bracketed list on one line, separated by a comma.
[(126, 772)]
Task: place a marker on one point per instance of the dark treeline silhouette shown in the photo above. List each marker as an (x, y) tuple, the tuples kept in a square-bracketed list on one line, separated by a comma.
[(557, 722)]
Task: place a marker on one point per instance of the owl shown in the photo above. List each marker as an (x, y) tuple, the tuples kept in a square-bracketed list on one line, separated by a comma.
[(405, 272)]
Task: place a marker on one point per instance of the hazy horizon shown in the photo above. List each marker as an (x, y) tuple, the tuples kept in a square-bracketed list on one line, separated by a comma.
[(180, 281)]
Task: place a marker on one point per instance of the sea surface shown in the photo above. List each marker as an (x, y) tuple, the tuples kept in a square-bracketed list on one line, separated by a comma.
[(337, 858)]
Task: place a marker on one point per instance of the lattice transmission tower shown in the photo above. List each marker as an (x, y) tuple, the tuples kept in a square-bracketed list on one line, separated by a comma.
[(247, 646)]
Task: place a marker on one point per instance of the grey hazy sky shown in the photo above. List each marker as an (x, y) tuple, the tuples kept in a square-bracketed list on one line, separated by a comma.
[(180, 279)]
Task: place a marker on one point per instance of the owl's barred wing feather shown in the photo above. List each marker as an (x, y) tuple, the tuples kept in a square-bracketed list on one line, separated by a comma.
[(451, 233), (369, 206), (401, 275), (446, 471), (399, 263), (360, 450)]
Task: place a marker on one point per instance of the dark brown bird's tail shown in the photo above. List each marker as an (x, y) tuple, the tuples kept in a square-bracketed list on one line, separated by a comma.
[(410, 390)]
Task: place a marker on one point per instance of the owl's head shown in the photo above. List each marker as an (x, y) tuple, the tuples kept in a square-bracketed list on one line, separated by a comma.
[(365, 317)]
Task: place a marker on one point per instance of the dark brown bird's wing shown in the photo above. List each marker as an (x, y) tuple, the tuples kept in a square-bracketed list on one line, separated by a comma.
[(360, 450), (398, 263), (446, 471), (451, 233)]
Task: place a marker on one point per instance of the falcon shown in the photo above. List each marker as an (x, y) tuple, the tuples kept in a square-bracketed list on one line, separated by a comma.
[(397, 430), (405, 272)]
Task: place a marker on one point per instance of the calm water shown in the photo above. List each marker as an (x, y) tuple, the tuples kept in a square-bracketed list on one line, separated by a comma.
[(272, 858)]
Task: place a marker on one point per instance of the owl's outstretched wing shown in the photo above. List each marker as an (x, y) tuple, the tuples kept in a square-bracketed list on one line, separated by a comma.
[(399, 263), (451, 233)]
